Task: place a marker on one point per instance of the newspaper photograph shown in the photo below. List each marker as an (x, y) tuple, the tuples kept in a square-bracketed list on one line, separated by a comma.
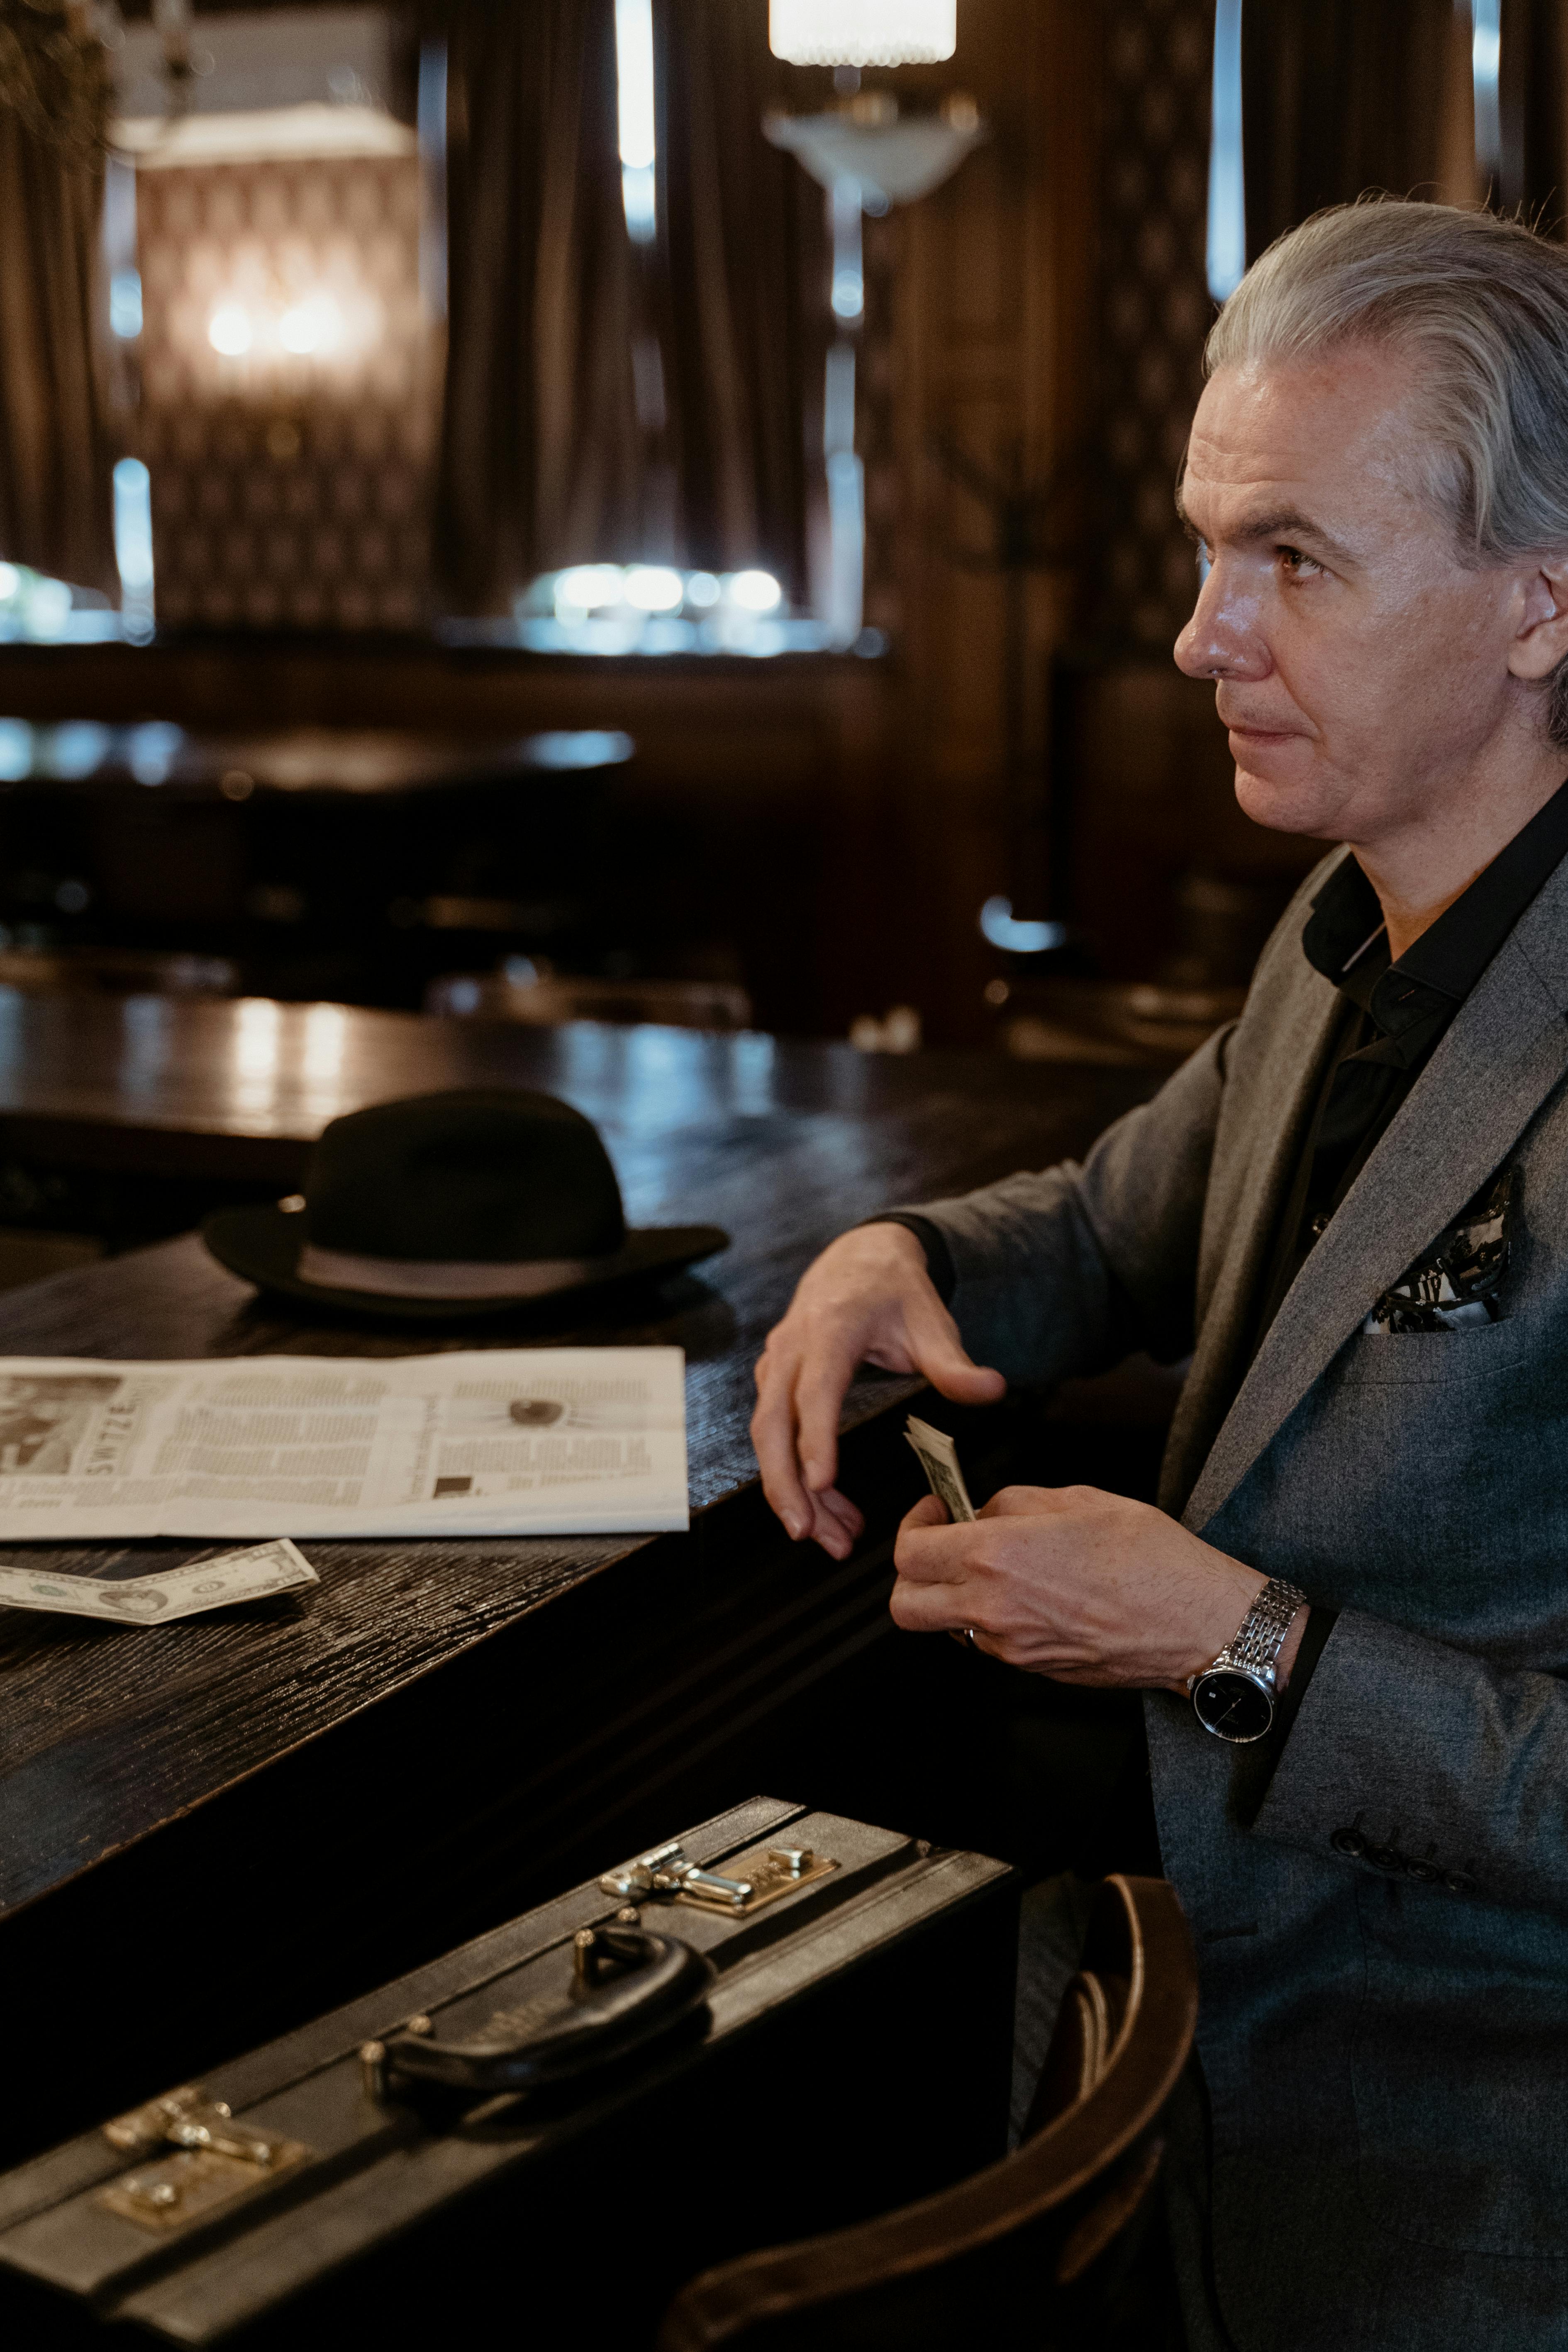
[(514, 1441)]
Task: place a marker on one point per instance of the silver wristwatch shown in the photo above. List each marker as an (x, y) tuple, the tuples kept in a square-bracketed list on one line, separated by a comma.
[(1233, 1698)]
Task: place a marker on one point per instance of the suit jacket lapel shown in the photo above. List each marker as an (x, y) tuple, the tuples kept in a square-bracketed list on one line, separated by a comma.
[(1505, 1052), (1250, 1222)]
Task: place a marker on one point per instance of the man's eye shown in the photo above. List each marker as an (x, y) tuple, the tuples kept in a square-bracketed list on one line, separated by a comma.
[(1294, 563)]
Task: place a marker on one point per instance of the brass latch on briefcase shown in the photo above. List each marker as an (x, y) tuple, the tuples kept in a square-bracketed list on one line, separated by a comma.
[(762, 1876), (212, 2158)]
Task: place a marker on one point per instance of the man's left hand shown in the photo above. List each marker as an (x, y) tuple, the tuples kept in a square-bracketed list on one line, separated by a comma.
[(1083, 1586)]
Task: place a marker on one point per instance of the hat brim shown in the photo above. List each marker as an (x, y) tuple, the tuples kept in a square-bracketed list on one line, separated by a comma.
[(262, 1245)]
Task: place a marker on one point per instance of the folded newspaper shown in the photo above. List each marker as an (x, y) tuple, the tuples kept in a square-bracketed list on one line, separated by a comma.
[(504, 1441)]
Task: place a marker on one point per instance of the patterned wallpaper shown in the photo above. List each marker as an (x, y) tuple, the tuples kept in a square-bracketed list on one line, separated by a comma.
[(290, 486), (1156, 305)]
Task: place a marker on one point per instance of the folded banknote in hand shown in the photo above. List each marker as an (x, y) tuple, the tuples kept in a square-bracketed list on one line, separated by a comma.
[(939, 1460)]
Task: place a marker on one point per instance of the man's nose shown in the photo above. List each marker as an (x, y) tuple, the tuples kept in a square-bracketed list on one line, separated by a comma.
[(1222, 639)]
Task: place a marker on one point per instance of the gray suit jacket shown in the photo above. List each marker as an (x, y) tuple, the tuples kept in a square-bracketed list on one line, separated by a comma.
[(1383, 2030)]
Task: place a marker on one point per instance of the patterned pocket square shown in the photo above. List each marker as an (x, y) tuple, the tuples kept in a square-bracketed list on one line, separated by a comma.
[(1456, 1282)]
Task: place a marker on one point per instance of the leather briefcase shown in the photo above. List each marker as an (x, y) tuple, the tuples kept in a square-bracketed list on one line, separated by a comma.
[(779, 2022)]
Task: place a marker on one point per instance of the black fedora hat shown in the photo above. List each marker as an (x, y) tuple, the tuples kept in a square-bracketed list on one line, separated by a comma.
[(448, 1206)]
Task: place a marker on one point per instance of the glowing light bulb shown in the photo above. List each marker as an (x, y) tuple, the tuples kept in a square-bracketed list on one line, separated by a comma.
[(230, 330), (755, 592), (309, 326), (653, 588), (588, 585)]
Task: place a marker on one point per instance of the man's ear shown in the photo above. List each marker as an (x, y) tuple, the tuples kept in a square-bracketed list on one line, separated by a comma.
[(1541, 639)]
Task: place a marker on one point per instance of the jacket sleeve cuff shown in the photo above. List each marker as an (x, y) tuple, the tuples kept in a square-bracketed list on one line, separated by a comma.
[(1258, 1765), (932, 1240), (1413, 1759)]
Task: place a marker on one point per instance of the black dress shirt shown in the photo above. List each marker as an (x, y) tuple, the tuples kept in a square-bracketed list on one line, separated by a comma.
[(1392, 1017)]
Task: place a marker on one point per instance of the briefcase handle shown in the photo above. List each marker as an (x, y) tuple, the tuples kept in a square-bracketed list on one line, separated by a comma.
[(658, 1981)]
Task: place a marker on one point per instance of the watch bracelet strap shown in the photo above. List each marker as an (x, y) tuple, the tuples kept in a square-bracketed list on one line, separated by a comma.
[(1262, 1633)]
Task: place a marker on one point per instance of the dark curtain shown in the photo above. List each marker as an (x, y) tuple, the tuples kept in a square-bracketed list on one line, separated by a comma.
[(1534, 108), (540, 458), (1339, 97), (742, 306), (56, 451)]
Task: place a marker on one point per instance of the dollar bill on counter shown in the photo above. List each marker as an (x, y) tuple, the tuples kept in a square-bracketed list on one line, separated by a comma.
[(939, 1460), (257, 1572)]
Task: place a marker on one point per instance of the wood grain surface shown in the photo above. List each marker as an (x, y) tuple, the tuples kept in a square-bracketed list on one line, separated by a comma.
[(242, 1086), (484, 1708)]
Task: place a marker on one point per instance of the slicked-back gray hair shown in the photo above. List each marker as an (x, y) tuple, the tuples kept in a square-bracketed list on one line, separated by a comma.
[(1483, 302)]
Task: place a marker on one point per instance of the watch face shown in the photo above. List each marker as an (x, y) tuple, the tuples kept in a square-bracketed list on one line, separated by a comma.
[(1232, 1705)]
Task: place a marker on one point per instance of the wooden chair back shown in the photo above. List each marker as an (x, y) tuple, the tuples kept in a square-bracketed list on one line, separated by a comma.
[(1035, 2250)]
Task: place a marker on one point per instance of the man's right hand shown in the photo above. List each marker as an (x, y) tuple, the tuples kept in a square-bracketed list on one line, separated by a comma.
[(868, 1299)]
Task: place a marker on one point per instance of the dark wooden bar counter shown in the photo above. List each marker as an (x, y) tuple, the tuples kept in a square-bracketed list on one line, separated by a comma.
[(210, 1830), (236, 1090)]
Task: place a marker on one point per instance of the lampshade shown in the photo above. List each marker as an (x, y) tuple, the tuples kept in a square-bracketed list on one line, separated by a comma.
[(895, 162), (863, 32)]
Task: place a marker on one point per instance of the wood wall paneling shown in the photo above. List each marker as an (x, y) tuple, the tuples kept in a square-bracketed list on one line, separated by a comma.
[(288, 490), (991, 283)]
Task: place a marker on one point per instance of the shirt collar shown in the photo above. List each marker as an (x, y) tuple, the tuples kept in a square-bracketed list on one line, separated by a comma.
[(1346, 940)]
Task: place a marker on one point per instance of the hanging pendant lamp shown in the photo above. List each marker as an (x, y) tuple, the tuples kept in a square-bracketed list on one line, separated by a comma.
[(863, 32)]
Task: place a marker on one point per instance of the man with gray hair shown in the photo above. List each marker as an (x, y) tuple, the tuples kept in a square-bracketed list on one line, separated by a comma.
[(1350, 1615)]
